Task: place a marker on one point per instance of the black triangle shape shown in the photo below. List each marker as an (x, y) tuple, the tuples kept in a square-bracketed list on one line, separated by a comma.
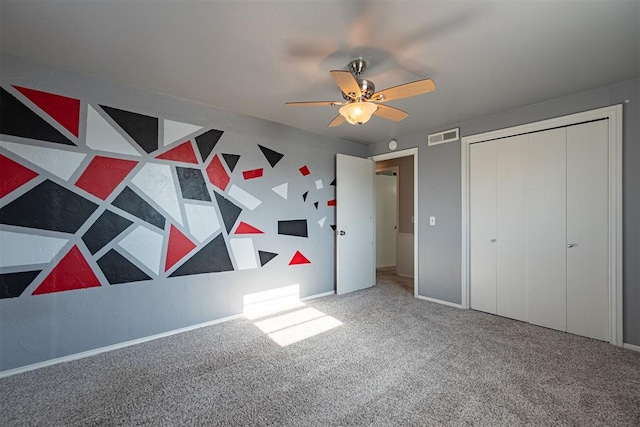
[(229, 211), (232, 160), (315, 204), (117, 269), (273, 157), (333, 227), (13, 284), (213, 258), (207, 141), (130, 202), (106, 228), (19, 120), (42, 208), (143, 129), (304, 196), (265, 257), (333, 182)]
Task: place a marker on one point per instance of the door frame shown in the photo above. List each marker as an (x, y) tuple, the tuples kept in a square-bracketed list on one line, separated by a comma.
[(614, 114), (394, 155), (395, 169)]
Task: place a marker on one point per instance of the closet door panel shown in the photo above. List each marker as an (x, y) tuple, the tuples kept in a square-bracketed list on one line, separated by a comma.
[(546, 228), (482, 201), (511, 178), (587, 230)]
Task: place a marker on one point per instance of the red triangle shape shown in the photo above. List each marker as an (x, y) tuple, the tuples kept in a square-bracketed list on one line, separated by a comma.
[(244, 228), (63, 110), (298, 258), (104, 174), (182, 153), (179, 245), (13, 175), (72, 272)]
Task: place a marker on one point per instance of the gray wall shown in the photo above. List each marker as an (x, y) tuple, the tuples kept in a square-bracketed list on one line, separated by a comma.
[(439, 273), (405, 191), (35, 328)]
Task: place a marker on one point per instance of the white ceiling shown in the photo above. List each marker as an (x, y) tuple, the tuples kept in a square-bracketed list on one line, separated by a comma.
[(253, 56)]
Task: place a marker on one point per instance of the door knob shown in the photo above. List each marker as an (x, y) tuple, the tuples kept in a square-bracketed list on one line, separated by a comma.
[(342, 233), (570, 245), (492, 240)]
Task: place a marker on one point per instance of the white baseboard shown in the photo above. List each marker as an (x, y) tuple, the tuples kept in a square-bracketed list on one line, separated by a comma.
[(438, 301), (95, 351), (408, 276), (324, 294), (631, 347)]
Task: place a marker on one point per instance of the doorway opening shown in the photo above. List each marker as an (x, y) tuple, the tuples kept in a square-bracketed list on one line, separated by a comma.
[(396, 239)]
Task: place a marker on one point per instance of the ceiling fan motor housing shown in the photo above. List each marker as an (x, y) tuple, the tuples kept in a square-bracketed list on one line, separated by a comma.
[(367, 88)]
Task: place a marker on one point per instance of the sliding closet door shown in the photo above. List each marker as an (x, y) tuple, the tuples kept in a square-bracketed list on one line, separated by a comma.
[(587, 230), (546, 231), (482, 200), (511, 179)]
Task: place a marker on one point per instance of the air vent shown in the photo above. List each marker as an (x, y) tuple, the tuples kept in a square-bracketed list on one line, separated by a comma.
[(442, 137)]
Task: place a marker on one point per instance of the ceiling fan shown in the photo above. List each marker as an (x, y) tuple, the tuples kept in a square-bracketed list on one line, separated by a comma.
[(361, 99)]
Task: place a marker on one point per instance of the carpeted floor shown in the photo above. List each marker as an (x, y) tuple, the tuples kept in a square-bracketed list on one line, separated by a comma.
[(394, 360)]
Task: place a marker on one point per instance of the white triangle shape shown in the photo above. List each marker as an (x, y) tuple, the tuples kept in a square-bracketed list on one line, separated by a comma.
[(102, 136), (27, 249), (281, 190), (174, 131), (321, 222), (146, 246), (156, 181), (59, 162)]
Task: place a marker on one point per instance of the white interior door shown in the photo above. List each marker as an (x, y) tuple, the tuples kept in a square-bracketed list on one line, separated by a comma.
[(547, 231), (355, 253), (588, 230), (482, 204), (511, 245), (386, 220)]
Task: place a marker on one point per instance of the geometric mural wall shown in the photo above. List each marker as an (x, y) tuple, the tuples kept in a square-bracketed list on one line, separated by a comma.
[(94, 195)]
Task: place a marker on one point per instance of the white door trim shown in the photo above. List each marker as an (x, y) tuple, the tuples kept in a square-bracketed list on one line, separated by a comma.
[(395, 169), (614, 114), (394, 155)]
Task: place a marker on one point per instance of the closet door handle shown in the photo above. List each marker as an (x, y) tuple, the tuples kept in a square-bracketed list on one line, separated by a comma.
[(492, 240), (571, 245)]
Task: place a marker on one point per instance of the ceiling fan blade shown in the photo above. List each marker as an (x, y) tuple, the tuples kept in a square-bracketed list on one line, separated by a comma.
[(313, 103), (337, 121), (346, 82), (405, 91), (390, 113)]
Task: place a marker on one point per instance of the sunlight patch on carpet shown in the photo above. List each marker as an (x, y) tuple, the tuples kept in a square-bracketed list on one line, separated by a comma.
[(297, 333)]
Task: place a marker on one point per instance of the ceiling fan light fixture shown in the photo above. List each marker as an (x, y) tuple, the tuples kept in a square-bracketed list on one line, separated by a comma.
[(357, 113)]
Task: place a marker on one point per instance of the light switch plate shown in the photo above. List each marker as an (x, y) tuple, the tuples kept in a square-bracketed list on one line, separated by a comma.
[(432, 220)]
